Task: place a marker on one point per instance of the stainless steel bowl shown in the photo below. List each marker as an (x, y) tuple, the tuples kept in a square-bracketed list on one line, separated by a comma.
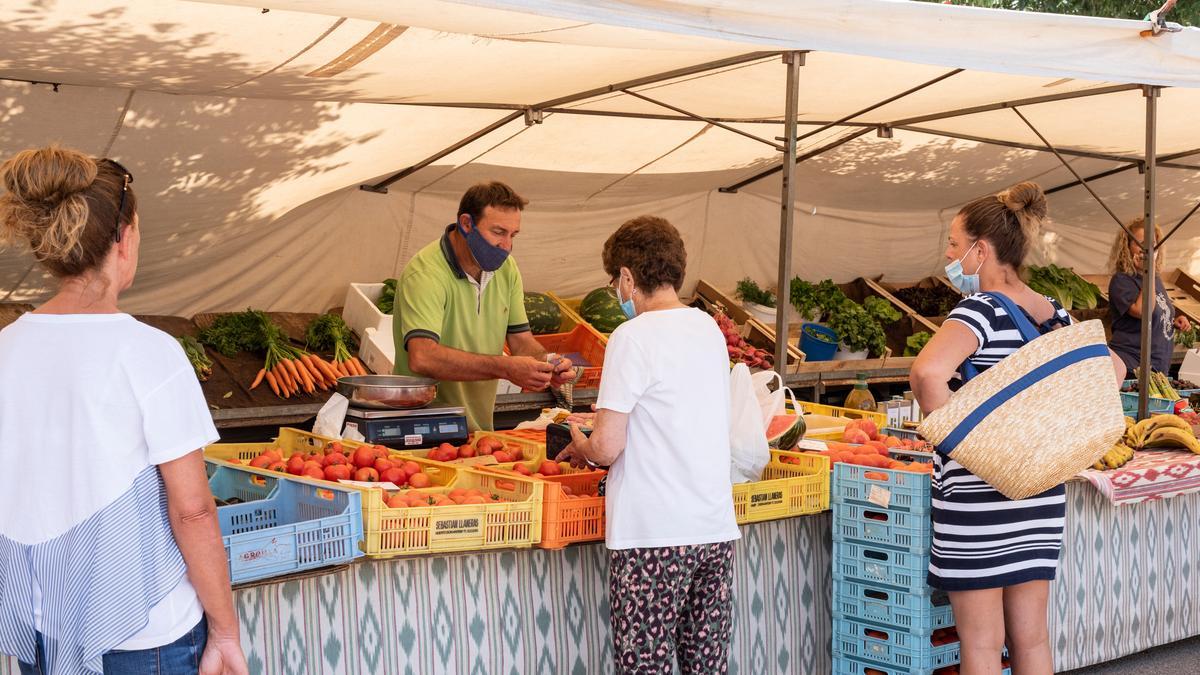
[(387, 392)]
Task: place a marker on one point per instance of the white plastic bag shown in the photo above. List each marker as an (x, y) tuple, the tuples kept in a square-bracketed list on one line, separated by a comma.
[(747, 435), (771, 403)]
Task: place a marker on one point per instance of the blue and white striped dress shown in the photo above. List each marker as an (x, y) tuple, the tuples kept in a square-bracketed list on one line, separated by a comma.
[(982, 539)]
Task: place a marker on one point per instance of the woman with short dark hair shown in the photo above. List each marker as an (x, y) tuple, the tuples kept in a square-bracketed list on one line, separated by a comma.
[(662, 425)]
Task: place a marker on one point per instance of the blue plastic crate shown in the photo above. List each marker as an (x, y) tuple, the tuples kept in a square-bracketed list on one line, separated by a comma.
[(889, 568), (844, 665), (884, 527), (1129, 403), (917, 613), (897, 650), (906, 490), (285, 525)]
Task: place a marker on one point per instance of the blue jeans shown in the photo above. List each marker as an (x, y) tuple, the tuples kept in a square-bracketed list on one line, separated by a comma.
[(181, 657)]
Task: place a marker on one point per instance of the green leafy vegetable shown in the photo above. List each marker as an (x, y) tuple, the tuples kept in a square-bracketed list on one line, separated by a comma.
[(329, 333), (932, 301), (387, 299), (236, 332), (1069, 289), (916, 342), (196, 356), (749, 291), (857, 329), (881, 310)]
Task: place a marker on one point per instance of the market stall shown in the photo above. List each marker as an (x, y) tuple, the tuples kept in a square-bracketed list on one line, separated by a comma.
[(1125, 584)]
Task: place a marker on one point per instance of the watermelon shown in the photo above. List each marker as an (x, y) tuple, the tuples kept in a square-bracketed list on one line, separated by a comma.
[(601, 309), (785, 431), (544, 314)]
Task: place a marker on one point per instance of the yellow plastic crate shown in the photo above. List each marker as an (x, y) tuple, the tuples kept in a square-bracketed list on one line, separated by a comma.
[(515, 522), (571, 316), (879, 419), (530, 450), (786, 490)]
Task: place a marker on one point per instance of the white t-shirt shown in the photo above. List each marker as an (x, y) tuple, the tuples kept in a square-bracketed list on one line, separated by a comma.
[(669, 371), (87, 403)]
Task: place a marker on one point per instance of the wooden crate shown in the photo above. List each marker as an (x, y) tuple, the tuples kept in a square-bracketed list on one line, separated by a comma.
[(928, 282), (756, 333), (1180, 288), (898, 332)]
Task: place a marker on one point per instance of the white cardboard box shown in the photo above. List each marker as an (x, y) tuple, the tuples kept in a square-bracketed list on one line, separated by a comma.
[(377, 350), (360, 312)]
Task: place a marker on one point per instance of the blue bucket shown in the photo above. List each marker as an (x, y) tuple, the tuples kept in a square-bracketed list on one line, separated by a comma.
[(814, 348)]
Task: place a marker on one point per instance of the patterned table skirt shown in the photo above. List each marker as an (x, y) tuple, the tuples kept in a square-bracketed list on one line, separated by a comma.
[(1125, 585)]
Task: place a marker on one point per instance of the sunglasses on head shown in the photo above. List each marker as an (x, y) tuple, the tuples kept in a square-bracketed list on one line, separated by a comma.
[(126, 182)]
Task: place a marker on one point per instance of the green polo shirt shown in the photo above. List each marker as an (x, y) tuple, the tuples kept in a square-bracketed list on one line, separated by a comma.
[(436, 299)]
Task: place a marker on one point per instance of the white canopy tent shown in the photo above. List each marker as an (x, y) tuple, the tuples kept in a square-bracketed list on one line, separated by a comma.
[(249, 133)]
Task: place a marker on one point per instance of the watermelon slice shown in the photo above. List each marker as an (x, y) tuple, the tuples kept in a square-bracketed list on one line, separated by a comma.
[(785, 431)]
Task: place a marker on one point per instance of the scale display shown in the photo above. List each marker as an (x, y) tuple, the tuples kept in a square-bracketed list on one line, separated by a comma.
[(412, 432)]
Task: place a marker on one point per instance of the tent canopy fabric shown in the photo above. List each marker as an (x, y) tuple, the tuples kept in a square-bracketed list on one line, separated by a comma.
[(250, 132)]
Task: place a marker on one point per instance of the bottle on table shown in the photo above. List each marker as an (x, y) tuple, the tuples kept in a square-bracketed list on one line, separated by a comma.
[(860, 397)]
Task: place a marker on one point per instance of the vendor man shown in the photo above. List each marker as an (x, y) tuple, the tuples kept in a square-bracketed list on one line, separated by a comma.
[(461, 299)]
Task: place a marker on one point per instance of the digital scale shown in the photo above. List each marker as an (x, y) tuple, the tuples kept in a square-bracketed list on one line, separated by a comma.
[(411, 429)]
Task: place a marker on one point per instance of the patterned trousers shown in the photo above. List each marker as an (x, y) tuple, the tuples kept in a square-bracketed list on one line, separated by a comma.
[(672, 603)]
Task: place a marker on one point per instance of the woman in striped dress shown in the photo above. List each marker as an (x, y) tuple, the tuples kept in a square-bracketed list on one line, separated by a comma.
[(995, 556)]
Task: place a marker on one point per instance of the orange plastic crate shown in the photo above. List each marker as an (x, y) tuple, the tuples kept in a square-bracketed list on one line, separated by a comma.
[(567, 519), (584, 341)]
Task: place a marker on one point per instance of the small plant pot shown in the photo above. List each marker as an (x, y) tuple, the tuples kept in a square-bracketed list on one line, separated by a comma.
[(843, 353), (763, 313), (819, 343)]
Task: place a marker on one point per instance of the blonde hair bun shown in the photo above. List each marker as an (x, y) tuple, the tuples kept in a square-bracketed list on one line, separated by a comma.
[(46, 204)]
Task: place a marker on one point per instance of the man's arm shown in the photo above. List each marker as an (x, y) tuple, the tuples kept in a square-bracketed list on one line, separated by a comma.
[(429, 358)]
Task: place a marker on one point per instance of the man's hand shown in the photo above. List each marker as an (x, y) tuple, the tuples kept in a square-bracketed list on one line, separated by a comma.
[(1182, 323), (576, 452), (564, 371), (529, 373)]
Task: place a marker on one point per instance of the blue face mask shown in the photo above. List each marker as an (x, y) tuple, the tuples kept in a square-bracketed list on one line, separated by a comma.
[(489, 257), (626, 305), (967, 284)]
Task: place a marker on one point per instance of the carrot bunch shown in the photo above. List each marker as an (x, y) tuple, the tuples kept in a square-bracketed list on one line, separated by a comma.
[(289, 371), (329, 333)]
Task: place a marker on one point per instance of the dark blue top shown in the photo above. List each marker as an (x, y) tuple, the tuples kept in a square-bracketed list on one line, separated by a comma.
[(1123, 290)]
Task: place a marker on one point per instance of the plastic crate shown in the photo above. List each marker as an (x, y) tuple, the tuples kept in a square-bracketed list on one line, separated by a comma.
[(296, 525), (584, 341), (844, 665), (905, 490), (918, 613), (896, 570), (871, 524), (879, 419), (567, 519), (570, 308), (902, 434), (1129, 403), (530, 451), (896, 650), (796, 487), (514, 522), (531, 435)]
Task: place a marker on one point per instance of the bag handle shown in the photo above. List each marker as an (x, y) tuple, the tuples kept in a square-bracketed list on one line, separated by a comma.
[(1024, 325)]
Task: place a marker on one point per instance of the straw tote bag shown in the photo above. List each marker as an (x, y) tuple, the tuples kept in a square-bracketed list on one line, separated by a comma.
[(1038, 417)]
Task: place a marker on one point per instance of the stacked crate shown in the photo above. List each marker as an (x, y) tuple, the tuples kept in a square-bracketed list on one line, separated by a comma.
[(886, 619)]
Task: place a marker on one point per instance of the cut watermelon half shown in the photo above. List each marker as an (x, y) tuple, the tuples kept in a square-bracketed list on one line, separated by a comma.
[(785, 431)]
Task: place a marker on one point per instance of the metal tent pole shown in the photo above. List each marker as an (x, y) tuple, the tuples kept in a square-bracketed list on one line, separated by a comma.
[(1150, 274), (787, 213)]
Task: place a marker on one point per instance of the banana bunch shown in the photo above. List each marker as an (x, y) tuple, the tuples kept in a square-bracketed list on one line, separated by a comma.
[(1115, 458)]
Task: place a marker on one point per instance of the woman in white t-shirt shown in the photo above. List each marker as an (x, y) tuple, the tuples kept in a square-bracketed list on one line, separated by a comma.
[(110, 552), (662, 426)]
